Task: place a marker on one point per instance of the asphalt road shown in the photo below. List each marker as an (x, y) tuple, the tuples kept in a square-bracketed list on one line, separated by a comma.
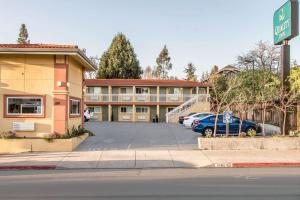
[(138, 136), (231, 184)]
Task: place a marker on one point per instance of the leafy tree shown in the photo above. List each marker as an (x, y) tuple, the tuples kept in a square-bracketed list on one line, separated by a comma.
[(288, 96), (23, 35), (92, 74), (119, 61), (190, 72), (163, 64), (223, 93), (148, 73)]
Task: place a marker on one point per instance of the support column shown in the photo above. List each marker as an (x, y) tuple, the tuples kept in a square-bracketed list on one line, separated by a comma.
[(197, 90), (133, 93), (157, 100), (133, 113), (285, 72), (109, 112), (109, 93)]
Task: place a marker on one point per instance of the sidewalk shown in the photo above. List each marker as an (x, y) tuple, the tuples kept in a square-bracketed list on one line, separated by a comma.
[(135, 159)]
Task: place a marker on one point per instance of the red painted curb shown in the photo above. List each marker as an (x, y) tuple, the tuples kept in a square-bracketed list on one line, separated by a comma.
[(28, 167), (267, 164)]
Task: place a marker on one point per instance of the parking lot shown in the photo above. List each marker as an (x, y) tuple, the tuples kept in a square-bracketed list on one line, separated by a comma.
[(138, 136)]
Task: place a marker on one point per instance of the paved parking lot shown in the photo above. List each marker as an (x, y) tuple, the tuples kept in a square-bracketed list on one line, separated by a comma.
[(138, 136)]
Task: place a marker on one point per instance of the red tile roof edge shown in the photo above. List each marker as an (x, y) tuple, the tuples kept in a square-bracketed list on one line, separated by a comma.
[(43, 46), (146, 82)]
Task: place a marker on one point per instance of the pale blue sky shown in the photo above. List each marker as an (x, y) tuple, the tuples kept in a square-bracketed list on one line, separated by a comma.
[(205, 32)]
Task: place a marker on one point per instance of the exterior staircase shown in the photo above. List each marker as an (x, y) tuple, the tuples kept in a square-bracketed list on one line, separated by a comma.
[(199, 103)]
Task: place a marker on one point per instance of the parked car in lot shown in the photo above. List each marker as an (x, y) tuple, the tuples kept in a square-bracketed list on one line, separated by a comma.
[(181, 118), (189, 120), (205, 126), (87, 115)]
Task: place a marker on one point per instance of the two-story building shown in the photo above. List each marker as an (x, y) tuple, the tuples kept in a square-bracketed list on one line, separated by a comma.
[(140, 100), (41, 88)]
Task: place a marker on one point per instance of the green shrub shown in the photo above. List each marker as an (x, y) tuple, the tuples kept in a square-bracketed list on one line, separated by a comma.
[(295, 133), (8, 135), (252, 133), (75, 132)]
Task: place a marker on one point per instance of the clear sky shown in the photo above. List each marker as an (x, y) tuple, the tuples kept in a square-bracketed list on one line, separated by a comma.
[(205, 32)]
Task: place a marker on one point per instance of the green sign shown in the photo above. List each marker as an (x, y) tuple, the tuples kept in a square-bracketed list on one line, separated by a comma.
[(286, 22)]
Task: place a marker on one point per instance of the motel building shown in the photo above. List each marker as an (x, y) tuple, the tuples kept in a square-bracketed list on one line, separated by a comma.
[(142, 100), (41, 88)]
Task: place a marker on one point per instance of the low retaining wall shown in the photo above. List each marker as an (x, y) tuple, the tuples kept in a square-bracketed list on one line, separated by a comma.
[(275, 143), (39, 144)]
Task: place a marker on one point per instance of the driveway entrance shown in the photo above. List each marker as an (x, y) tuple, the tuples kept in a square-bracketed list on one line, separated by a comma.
[(138, 136)]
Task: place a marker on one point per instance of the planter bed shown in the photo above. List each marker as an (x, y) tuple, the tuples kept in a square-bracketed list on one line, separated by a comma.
[(236, 143), (18, 145)]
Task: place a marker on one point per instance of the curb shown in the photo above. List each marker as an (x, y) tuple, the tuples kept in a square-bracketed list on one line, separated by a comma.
[(254, 164), (29, 167)]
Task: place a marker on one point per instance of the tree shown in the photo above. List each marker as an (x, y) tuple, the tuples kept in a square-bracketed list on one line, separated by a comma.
[(190, 72), (119, 61), (163, 64), (148, 73), (223, 93), (263, 56), (23, 35), (92, 74), (288, 96)]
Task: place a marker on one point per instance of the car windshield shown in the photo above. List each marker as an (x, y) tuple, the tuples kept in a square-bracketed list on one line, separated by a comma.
[(202, 115)]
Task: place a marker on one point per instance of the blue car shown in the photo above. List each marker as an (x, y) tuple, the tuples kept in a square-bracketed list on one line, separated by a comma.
[(205, 126)]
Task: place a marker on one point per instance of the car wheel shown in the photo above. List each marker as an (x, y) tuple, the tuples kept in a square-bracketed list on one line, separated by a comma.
[(250, 129), (208, 132)]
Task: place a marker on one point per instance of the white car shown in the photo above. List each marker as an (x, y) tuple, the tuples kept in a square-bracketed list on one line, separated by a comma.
[(87, 115), (188, 121)]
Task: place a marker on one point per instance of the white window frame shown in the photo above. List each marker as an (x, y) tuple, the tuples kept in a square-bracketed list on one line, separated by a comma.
[(143, 110), (24, 114), (142, 90), (100, 108), (70, 109), (127, 108), (175, 89), (99, 91)]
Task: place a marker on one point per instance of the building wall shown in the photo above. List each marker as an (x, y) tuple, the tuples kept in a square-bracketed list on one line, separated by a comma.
[(75, 79), (27, 75)]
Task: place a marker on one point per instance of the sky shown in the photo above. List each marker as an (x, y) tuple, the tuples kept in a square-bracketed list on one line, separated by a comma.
[(204, 32)]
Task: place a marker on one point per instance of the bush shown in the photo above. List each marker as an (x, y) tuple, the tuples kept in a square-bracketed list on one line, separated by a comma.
[(75, 132), (295, 133), (252, 133), (8, 135)]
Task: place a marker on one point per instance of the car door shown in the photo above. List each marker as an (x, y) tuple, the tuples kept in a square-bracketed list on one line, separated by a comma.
[(221, 127), (234, 126)]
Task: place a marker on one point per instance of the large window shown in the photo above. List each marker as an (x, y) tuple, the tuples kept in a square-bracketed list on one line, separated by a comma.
[(141, 90), (95, 109), (75, 107), (141, 110), (126, 109), (173, 90), (93, 90), (123, 90), (24, 105)]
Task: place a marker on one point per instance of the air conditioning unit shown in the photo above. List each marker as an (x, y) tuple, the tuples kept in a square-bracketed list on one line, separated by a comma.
[(23, 126)]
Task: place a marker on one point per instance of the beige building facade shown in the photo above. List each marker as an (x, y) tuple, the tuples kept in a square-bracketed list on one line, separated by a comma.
[(41, 88)]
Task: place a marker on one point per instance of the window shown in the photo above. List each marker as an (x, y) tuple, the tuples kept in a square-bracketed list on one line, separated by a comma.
[(93, 90), (96, 109), (24, 105), (75, 106), (174, 90), (126, 109), (141, 90), (170, 109), (123, 90), (141, 110)]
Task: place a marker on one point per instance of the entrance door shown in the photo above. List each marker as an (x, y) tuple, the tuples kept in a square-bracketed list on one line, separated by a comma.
[(115, 114)]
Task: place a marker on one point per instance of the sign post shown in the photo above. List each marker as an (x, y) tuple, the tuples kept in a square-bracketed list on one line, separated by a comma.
[(227, 118), (286, 27)]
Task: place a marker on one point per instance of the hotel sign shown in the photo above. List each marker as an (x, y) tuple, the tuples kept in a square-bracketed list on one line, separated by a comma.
[(286, 22)]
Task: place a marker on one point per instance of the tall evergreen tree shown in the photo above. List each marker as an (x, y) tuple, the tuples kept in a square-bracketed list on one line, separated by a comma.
[(23, 35), (163, 63), (190, 72), (119, 61)]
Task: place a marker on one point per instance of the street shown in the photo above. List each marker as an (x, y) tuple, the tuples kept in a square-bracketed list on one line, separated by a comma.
[(267, 183)]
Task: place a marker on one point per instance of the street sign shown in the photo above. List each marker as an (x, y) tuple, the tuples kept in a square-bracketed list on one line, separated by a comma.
[(227, 117), (285, 22)]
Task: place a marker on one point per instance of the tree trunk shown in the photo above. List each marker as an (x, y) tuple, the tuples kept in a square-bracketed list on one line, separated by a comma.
[(216, 120), (284, 123), (240, 125), (264, 118)]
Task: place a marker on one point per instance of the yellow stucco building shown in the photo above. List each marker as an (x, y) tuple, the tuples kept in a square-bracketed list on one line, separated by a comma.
[(41, 88)]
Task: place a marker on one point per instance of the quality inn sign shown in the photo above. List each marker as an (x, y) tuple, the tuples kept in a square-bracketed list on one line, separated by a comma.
[(286, 22)]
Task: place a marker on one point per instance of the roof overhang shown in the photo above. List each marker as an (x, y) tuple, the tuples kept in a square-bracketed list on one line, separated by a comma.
[(77, 54)]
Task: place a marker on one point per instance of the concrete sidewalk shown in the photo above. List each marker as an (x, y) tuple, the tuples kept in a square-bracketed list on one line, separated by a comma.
[(131, 159)]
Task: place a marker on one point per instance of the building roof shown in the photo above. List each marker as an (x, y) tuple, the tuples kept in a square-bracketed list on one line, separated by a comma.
[(48, 49), (228, 68), (143, 82)]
